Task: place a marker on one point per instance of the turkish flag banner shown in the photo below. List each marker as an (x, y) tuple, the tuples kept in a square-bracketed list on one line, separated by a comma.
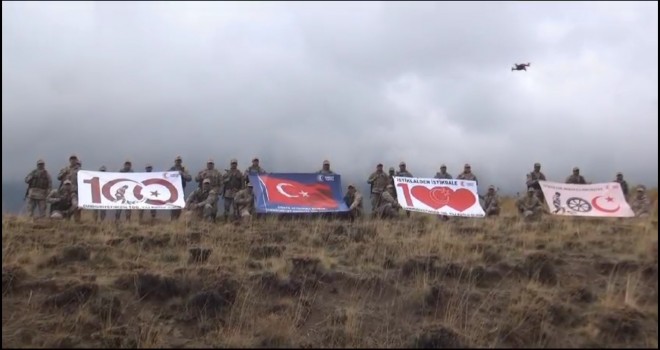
[(297, 193), (595, 200)]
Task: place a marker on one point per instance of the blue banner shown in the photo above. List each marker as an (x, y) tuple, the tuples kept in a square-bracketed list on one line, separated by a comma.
[(298, 193)]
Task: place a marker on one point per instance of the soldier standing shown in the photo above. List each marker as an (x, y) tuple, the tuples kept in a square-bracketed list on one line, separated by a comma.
[(64, 202), (212, 174), (232, 181), (533, 179), (576, 178), (623, 184), (443, 174), (354, 202), (100, 212), (378, 181), (185, 178), (467, 174), (244, 202), (39, 185), (254, 169), (204, 201), (641, 205), (128, 168), (326, 169), (70, 173), (491, 202), (149, 168), (403, 173)]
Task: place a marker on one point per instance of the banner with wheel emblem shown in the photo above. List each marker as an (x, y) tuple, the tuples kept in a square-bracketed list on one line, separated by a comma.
[(594, 200)]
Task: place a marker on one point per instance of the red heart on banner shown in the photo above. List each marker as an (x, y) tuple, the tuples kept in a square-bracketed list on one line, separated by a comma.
[(438, 197)]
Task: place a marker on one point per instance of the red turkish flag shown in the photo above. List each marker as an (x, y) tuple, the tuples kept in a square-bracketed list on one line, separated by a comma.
[(289, 192)]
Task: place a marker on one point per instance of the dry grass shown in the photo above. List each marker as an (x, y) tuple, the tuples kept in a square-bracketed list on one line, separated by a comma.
[(421, 282)]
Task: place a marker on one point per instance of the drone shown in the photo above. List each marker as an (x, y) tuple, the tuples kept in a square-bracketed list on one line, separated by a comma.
[(520, 66)]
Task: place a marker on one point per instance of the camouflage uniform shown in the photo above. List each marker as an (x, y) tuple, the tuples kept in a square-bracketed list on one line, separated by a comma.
[(387, 206), (576, 178), (533, 179), (443, 174), (204, 201), (64, 202), (378, 181), (70, 173), (623, 184), (244, 202), (254, 169), (100, 212), (147, 169), (185, 178), (529, 206), (403, 173), (641, 204), (212, 174), (392, 174), (467, 174), (492, 202), (326, 169), (233, 182), (39, 185), (354, 202), (127, 212)]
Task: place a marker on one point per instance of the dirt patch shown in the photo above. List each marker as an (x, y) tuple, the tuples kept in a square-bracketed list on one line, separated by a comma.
[(438, 337), (539, 266), (12, 276), (266, 251), (68, 255), (72, 296)]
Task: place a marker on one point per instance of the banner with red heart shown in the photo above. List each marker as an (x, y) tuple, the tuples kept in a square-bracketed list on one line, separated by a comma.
[(439, 196)]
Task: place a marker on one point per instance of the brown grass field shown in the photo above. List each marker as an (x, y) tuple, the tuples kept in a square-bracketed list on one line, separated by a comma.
[(417, 282)]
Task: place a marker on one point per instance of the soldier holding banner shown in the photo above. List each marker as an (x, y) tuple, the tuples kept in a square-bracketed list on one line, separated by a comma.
[(185, 178), (623, 184), (467, 174), (204, 201), (443, 174), (325, 170), (533, 179), (354, 202), (387, 206), (64, 202), (576, 178), (403, 173)]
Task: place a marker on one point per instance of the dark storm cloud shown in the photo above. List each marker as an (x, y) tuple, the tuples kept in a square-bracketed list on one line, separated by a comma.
[(355, 83)]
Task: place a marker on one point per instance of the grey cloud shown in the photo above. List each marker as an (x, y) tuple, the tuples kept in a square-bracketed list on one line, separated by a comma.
[(356, 83)]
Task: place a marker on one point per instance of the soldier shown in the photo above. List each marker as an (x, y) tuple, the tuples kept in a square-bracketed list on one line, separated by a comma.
[(467, 174), (100, 212), (128, 168), (204, 201), (232, 181), (354, 202), (212, 174), (491, 202), (529, 206), (244, 202), (387, 206), (403, 173), (326, 168), (254, 169), (576, 178), (149, 168), (185, 178), (39, 185), (378, 181), (640, 204), (623, 183), (443, 174), (533, 179), (70, 172), (64, 202)]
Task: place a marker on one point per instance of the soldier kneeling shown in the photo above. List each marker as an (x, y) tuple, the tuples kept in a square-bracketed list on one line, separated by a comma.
[(244, 202), (63, 202), (204, 202), (387, 206), (530, 206)]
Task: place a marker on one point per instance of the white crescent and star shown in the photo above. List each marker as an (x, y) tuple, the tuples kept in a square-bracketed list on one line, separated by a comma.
[(594, 203), (439, 195), (280, 189)]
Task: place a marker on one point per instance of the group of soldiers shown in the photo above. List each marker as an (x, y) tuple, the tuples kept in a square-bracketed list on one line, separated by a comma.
[(238, 197)]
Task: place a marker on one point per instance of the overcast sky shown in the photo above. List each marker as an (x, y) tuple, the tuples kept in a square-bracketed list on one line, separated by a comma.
[(355, 83)]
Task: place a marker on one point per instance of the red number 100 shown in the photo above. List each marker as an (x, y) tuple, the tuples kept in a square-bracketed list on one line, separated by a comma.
[(96, 189)]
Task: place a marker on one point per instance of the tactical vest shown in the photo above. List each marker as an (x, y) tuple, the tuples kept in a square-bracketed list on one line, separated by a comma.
[(39, 180)]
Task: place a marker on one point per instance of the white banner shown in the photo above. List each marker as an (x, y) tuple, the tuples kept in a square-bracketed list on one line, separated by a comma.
[(439, 196), (600, 200), (104, 190)]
